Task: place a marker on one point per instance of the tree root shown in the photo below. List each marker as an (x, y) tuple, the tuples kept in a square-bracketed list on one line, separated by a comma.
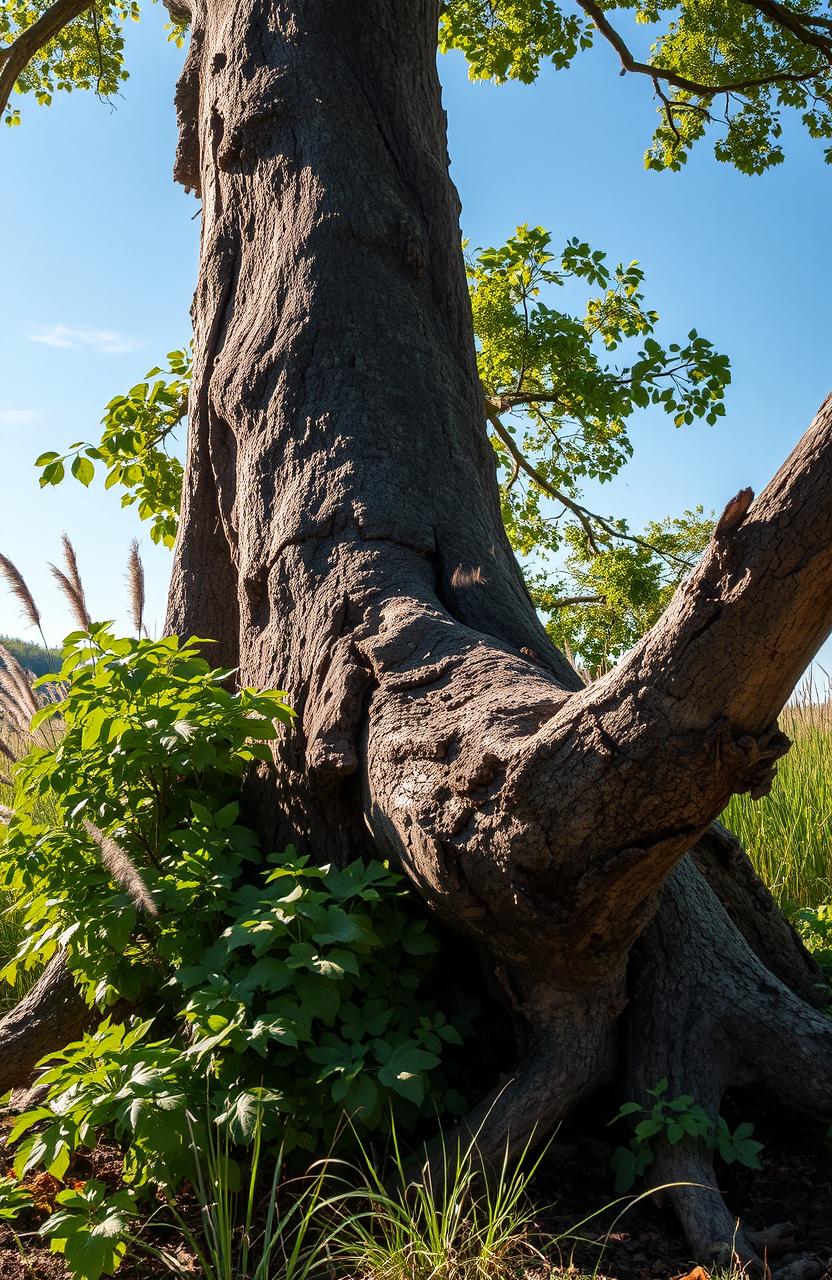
[(726, 866), (569, 1054), (50, 1016), (706, 1014)]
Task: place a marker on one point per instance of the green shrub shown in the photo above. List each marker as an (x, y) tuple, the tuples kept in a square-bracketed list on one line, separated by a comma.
[(280, 992), (677, 1120)]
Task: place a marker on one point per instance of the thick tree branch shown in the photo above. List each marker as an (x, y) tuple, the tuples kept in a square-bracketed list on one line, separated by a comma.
[(799, 24), (17, 56), (762, 594), (580, 804)]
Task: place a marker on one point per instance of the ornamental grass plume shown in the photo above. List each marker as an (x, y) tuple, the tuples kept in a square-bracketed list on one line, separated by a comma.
[(135, 582), (121, 868), (16, 680), (17, 585), (71, 585), (10, 709), (72, 570)]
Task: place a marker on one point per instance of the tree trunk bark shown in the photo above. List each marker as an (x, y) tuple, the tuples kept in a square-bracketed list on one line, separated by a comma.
[(342, 539), (51, 1015)]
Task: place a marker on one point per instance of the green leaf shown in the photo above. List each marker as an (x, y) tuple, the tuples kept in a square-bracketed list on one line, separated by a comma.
[(83, 469)]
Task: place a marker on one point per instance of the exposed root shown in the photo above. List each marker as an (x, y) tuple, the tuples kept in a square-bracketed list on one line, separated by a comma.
[(778, 1238), (711, 1230), (51, 1015), (571, 1051), (726, 866), (706, 1014)]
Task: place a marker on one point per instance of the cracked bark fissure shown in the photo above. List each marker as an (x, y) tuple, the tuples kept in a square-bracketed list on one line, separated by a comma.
[(341, 539)]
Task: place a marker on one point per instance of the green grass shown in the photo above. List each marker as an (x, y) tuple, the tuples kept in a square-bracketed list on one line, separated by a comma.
[(449, 1220), (788, 834)]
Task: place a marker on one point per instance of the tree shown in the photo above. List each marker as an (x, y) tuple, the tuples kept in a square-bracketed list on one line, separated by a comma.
[(342, 538)]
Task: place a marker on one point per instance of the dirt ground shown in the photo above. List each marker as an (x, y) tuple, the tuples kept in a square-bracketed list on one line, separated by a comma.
[(794, 1186)]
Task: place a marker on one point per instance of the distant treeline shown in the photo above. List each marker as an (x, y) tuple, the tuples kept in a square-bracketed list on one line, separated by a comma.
[(32, 656)]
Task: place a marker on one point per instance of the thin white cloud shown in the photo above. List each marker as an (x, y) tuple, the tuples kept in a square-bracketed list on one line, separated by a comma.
[(71, 337), (17, 417)]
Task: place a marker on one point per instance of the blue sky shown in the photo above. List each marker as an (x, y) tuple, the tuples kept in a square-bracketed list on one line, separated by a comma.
[(101, 253)]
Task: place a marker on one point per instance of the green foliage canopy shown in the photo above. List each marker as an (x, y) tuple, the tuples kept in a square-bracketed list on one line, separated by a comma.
[(714, 64), (86, 53), (568, 411), (133, 448)]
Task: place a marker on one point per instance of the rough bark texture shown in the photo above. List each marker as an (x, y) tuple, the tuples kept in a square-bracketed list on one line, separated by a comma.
[(342, 539), (51, 1015)]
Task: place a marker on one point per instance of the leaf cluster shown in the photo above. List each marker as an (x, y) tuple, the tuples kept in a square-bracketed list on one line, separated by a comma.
[(509, 39), (814, 926), (715, 66), (553, 368), (89, 1228), (567, 385), (87, 53), (133, 449), (676, 1120), (621, 591)]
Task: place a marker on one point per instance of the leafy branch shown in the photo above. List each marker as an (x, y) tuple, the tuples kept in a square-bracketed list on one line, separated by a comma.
[(134, 448), (55, 48), (757, 56)]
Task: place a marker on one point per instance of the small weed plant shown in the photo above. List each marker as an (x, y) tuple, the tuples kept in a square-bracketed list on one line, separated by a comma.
[(674, 1120)]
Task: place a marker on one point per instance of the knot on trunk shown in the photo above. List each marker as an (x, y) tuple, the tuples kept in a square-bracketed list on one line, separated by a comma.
[(186, 166), (734, 513), (755, 760), (333, 713)]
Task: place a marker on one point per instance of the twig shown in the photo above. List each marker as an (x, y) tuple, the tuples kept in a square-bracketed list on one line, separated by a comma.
[(583, 515)]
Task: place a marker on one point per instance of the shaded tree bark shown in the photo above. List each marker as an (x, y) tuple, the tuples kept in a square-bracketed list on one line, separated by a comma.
[(51, 1015), (342, 539)]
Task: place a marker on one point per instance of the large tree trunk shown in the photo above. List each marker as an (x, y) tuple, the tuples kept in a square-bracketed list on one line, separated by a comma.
[(342, 539)]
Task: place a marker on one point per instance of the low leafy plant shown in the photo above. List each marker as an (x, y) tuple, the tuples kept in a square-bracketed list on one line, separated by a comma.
[(90, 1228), (14, 1199), (674, 1119), (814, 925), (239, 967)]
